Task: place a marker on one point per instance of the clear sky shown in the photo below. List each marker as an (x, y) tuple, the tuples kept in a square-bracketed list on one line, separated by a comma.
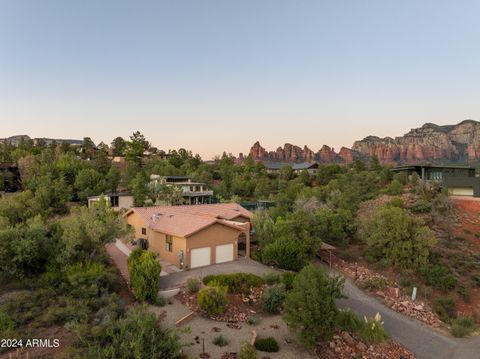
[(218, 75)]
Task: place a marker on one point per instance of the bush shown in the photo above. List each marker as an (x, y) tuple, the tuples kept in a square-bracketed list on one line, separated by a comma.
[(395, 188), (220, 341), (213, 299), (439, 276), (193, 284), (271, 278), (373, 331), (462, 326), (397, 238), (285, 253), (272, 299), (6, 324), (247, 351), (476, 279), (235, 282), (288, 278), (445, 308), (144, 271), (420, 206), (309, 308), (376, 283), (349, 321), (268, 345), (465, 291), (395, 202), (253, 320), (88, 280)]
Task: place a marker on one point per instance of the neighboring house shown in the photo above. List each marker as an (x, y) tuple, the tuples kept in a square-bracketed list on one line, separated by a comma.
[(193, 236), (118, 201), (275, 167), (459, 180), (192, 192)]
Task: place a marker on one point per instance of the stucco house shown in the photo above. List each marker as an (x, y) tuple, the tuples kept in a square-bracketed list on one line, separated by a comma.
[(193, 236), (118, 201)]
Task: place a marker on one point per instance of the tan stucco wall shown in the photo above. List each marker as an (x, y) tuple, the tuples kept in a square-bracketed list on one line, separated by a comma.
[(213, 236), (157, 242), (125, 202), (137, 223)]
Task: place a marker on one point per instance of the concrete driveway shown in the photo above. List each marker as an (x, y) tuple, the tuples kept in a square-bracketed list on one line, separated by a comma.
[(245, 265)]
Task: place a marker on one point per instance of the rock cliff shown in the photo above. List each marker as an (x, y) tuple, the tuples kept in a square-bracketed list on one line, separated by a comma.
[(429, 143)]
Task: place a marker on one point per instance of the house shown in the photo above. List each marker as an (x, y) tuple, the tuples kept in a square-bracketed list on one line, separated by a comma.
[(275, 167), (459, 180), (118, 201), (192, 192), (193, 236)]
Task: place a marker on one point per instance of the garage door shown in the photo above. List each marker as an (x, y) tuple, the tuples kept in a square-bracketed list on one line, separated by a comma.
[(200, 257), (461, 191), (224, 253)]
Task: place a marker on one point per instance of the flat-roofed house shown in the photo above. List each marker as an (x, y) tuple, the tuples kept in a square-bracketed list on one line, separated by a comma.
[(458, 180), (118, 201), (193, 236)]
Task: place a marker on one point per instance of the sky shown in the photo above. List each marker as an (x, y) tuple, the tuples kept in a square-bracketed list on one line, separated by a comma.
[(218, 75)]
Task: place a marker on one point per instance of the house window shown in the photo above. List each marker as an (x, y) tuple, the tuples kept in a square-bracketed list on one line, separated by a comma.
[(168, 243), (144, 231), (114, 201)]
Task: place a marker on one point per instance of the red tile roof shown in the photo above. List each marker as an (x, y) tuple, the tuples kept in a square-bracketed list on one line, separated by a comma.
[(183, 221)]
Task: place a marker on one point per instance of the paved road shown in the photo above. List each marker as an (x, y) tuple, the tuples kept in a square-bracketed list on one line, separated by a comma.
[(424, 342)]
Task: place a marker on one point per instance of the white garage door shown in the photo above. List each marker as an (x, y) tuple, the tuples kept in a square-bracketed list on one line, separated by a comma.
[(200, 257), (461, 191), (224, 253)]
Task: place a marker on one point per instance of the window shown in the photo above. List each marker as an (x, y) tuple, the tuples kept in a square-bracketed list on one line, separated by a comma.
[(114, 201), (144, 231), (168, 243)]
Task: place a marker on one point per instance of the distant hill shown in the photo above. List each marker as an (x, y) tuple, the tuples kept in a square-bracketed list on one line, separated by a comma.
[(429, 143), (15, 140)]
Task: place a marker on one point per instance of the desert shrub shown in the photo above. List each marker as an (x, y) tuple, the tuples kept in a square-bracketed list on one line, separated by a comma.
[(193, 284), (395, 237), (268, 345), (87, 280), (271, 278), (376, 283), (309, 308), (462, 326), (445, 308), (64, 310), (395, 202), (144, 271), (288, 278), (439, 276), (421, 206), (395, 188), (220, 341), (137, 335), (476, 279), (213, 299), (7, 324), (235, 282), (272, 299), (253, 320), (247, 351), (349, 321), (285, 253), (372, 330), (465, 292)]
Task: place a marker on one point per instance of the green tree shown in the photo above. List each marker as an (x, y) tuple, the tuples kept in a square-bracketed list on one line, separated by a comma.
[(309, 308), (395, 188), (89, 182), (113, 178), (119, 146), (394, 237), (144, 271), (264, 227), (140, 189)]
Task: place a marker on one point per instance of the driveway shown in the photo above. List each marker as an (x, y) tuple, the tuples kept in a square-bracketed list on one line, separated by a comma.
[(423, 341), (245, 265)]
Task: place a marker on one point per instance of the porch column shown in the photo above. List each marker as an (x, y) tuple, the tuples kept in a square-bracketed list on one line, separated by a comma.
[(247, 241)]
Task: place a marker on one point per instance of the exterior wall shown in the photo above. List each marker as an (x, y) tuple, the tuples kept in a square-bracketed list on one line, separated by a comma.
[(211, 237), (241, 219), (125, 202), (156, 242), (137, 222)]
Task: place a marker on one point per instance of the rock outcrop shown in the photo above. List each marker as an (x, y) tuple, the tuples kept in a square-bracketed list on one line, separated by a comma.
[(292, 154), (429, 143), (455, 143)]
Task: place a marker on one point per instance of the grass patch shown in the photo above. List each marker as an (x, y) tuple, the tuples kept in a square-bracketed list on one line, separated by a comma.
[(462, 326), (268, 345), (220, 341)]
